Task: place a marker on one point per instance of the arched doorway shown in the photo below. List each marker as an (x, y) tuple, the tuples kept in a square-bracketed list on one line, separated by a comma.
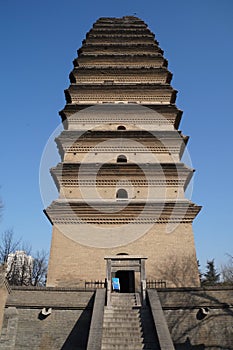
[(122, 194), (121, 159)]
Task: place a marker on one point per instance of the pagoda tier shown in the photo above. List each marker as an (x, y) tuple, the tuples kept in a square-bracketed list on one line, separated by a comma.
[(153, 94), (127, 75), (114, 48), (139, 60), (161, 146), (111, 50), (119, 30), (148, 117), (163, 180)]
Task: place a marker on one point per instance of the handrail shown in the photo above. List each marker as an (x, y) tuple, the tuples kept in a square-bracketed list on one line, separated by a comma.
[(96, 327), (164, 336)]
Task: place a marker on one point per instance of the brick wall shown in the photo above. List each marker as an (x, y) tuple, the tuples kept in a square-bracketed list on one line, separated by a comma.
[(67, 326), (72, 263), (188, 329), (4, 291)]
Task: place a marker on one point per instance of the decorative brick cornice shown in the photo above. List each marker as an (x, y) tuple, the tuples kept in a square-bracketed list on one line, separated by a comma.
[(115, 212)]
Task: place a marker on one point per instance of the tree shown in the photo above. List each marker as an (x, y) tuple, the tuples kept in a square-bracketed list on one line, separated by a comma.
[(40, 265), (211, 277), (8, 244), (227, 271), (19, 268), (199, 270), (25, 270), (22, 269)]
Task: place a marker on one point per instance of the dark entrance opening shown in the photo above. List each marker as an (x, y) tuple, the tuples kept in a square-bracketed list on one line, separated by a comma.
[(127, 281)]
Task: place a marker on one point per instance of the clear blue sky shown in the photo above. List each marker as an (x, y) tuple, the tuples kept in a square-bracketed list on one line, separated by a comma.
[(39, 40)]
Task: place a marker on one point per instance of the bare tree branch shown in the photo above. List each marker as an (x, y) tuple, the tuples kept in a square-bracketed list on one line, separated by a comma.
[(227, 271), (40, 264), (19, 268), (8, 245)]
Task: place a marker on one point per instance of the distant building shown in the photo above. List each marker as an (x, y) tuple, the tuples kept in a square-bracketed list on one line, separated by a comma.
[(19, 268)]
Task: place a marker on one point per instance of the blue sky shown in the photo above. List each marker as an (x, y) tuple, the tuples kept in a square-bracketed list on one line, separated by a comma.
[(39, 40)]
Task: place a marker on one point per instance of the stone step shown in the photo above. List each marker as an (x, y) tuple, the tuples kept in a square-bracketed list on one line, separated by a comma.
[(130, 308), (113, 325), (116, 340), (123, 302), (121, 318), (121, 297), (121, 315), (122, 327), (124, 295), (121, 321), (126, 300), (125, 307), (122, 311), (123, 332), (116, 302), (131, 346), (123, 335)]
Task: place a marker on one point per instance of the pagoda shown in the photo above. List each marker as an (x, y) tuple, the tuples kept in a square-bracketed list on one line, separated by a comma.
[(121, 179)]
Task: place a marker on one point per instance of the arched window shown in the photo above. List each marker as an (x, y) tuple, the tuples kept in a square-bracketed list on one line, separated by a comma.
[(121, 159), (121, 127), (121, 193)]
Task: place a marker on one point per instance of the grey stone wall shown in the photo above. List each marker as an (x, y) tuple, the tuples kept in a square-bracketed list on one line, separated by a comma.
[(188, 327), (67, 327), (4, 292)]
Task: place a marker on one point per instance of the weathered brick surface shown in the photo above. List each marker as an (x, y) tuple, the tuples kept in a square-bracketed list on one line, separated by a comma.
[(63, 329), (4, 291), (171, 257), (9, 329), (66, 328), (49, 297), (213, 332)]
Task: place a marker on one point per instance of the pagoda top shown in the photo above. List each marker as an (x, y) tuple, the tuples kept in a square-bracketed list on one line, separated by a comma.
[(119, 19)]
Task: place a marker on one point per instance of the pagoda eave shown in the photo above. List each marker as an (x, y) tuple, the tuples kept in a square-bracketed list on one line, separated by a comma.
[(148, 169), (127, 86), (179, 172), (120, 211)]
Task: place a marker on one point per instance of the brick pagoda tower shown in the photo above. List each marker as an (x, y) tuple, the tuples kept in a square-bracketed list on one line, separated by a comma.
[(121, 179)]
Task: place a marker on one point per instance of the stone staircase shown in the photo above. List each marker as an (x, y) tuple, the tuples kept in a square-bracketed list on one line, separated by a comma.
[(128, 326)]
